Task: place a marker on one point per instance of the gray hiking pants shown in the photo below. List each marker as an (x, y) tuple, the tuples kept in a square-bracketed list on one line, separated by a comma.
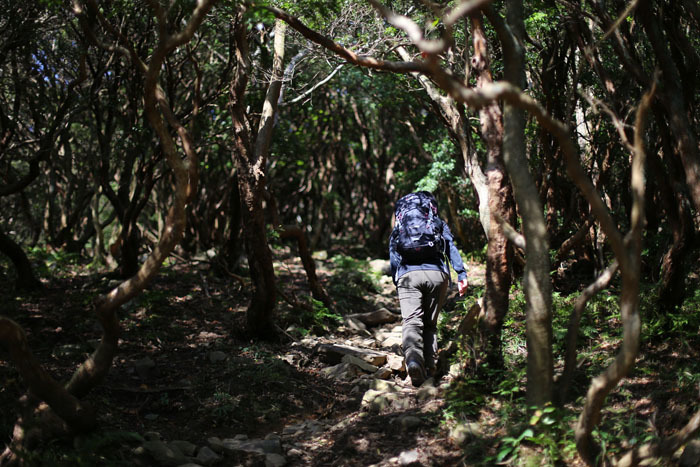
[(421, 296)]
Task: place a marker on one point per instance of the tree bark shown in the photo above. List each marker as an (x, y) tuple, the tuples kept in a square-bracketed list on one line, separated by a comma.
[(251, 159), (317, 289), (672, 99), (26, 280), (536, 282), (499, 252), (77, 415), (630, 266), (564, 381)]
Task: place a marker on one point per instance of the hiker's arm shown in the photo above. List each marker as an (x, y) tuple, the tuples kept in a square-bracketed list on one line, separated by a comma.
[(453, 254), (394, 256)]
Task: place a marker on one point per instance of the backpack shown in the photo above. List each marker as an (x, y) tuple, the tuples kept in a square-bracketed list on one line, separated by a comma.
[(418, 229)]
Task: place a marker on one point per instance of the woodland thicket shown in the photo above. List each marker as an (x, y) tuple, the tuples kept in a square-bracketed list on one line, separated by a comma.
[(561, 137)]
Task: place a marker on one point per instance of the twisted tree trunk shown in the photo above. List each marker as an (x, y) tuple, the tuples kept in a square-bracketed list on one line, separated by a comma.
[(251, 158)]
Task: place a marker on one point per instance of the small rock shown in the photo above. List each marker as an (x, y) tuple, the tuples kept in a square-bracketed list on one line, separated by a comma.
[(409, 457), (382, 266), (455, 370), (408, 422), (295, 429), (374, 318), (207, 456), (261, 446), (184, 447), (275, 460), (164, 454), (378, 401), (144, 367), (315, 427), (358, 362), (342, 372), (401, 403), (217, 356), (427, 390), (462, 432), (383, 373), (392, 342), (384, 386), (333, 354), (355, 324), (320, 255), (216, 444), (395, 363)]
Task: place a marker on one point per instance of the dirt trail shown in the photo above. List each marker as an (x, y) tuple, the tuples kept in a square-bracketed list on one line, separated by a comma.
[(189, 388)]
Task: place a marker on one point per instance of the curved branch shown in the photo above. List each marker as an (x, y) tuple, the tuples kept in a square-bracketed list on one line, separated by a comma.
[(601, 385), (315, 86), (589, 292), (665, 448), (347, 54), (77, 415), (185, 174), (511, 234)]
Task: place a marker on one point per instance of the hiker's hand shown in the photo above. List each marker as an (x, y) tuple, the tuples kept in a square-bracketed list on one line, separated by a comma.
[(462, 286)]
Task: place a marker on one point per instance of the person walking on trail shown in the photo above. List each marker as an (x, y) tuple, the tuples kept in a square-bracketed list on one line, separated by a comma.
[(420, 247)]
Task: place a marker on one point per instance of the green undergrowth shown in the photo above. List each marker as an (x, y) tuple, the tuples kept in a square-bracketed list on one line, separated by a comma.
[(351, 282), (511, 433), (105, 448)]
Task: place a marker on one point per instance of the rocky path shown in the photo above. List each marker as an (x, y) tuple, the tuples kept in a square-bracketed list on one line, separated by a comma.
[(379, 418)]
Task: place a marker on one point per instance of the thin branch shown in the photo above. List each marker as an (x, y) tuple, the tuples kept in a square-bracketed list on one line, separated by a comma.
[(509, 231), (620, 126), (350, 56), (623, 16), (315, 86), (589, 292)]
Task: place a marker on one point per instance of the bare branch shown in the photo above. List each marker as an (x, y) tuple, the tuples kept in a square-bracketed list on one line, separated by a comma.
[(315, 86), (623, 16), (589, 292), (350, 56), (40, 383), (509, 231), (466, 8)]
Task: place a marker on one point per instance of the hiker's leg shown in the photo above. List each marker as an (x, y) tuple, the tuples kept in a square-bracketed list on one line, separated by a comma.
[(411, 302), (434, 297)]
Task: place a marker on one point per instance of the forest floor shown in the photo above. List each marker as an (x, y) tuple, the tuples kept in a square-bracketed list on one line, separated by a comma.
[(189, 387)]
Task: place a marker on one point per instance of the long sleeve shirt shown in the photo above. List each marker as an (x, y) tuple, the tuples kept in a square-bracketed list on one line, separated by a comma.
[(399, 268)]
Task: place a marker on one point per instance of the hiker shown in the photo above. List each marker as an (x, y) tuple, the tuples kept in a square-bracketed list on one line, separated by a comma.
[(420, 246)]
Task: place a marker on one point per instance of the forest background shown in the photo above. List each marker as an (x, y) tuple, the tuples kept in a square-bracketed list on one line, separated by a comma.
[(190, 140)]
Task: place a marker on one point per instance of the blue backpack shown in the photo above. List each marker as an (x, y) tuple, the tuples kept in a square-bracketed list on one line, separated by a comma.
[(418, 229)]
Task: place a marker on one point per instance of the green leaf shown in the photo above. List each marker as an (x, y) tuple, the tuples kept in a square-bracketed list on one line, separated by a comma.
[(503, 453)]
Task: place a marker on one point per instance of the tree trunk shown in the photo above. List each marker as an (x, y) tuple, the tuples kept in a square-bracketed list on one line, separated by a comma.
[(675, 204), (317, 290), (628, 254), (26, 280), (536, 282), (499, 252), (251, 161), (673, 100), (571, 339)]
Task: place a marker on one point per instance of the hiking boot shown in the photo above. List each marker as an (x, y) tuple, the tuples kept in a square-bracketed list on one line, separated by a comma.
[(416, 372)]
